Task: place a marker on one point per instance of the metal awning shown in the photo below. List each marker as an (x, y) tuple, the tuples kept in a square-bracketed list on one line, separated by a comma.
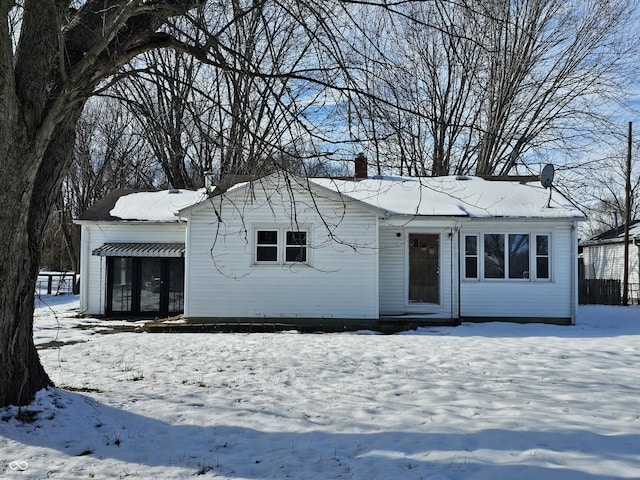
[(140, 250)]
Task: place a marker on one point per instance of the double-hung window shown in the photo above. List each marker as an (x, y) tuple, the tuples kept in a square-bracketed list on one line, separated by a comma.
[(281, 245), (471, 256), (513, 256), (266, 246), (542, 256)]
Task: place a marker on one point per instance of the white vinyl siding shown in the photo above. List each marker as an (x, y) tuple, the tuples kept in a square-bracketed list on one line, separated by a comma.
[(340, 280), (531, 298), (394, 266), (606, 262), (93, 279)]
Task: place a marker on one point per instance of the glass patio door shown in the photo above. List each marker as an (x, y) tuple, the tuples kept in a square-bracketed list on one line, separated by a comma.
[(145, 285)]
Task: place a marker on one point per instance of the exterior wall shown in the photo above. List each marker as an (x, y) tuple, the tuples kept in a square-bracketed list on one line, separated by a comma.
[(606, 261), (93, 277), (539, 299), (224, 281), (394, 269)]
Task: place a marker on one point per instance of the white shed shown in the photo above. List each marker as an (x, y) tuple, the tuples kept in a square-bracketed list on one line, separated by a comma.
[(603, 257)]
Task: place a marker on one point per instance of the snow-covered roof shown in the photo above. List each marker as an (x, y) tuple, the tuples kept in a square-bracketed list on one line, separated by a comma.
[(162, 206), (454, 196), (614, 235)]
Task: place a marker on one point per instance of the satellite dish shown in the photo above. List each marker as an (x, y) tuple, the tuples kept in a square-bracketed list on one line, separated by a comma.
[(546, 177)]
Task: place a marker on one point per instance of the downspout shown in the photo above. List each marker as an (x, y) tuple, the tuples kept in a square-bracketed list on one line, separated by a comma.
[(636, 242), (102, 305), (452, 295), (84, 268), (574, 273), (458, 229), (377, 268), (187, 276)]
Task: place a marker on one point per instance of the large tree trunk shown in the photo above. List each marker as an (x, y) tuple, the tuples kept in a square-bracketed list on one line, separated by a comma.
[(62, 54), (21, 374), (27, 194)]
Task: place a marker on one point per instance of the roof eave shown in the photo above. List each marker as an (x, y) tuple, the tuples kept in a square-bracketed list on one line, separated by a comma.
[(128, 221)]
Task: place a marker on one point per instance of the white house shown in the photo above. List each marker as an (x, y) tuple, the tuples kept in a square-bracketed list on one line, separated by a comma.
[(357, 252), (603, 257), (427, 249)]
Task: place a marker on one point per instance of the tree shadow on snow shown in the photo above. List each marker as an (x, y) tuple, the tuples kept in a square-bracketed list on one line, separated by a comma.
[(78, 426)]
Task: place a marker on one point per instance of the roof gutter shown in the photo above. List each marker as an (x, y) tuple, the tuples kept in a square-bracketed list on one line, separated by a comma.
[(609, 241)]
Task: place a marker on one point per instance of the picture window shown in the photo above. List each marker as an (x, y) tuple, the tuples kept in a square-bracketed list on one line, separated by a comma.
[(513, 256)]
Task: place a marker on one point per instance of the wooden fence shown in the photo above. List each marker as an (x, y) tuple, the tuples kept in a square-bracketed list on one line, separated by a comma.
[(599, 291)]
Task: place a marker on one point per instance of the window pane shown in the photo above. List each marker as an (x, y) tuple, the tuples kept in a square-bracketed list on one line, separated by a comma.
[(494, 255), (176, 285), (471, 245), (296, 250), (121, 285), (542, 267), (267, 237), (296, 254), (150, 284), (542, 245), (471, 267), (266, 254), (296, 238), (519, 255)]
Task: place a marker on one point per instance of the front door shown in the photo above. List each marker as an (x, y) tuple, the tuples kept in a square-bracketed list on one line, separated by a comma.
[(424, 268), (144, 285)]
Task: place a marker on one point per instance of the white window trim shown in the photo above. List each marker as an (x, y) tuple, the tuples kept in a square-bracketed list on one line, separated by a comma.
[(533, 278), (281, 244), (548, 256), (464, 255), (256, 245)]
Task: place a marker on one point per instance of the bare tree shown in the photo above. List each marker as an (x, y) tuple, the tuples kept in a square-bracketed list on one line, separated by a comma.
[(277, 65), (107, 154), (475, 87), (158, 92), (54, 55), (61, 56), (605, 195)]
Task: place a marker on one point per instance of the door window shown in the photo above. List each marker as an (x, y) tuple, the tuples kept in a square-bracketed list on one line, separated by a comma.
[(121, 284), (145, 285), (151, 284), (424, 268)]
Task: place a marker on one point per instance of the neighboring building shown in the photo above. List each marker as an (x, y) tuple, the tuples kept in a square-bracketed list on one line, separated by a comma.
[(603, 257), (357, 253)]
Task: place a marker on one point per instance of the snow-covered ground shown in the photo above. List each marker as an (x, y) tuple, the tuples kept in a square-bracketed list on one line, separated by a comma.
[(488, 401)]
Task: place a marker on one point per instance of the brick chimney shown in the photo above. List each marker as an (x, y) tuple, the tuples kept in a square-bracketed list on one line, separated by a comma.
[(360, 166)]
